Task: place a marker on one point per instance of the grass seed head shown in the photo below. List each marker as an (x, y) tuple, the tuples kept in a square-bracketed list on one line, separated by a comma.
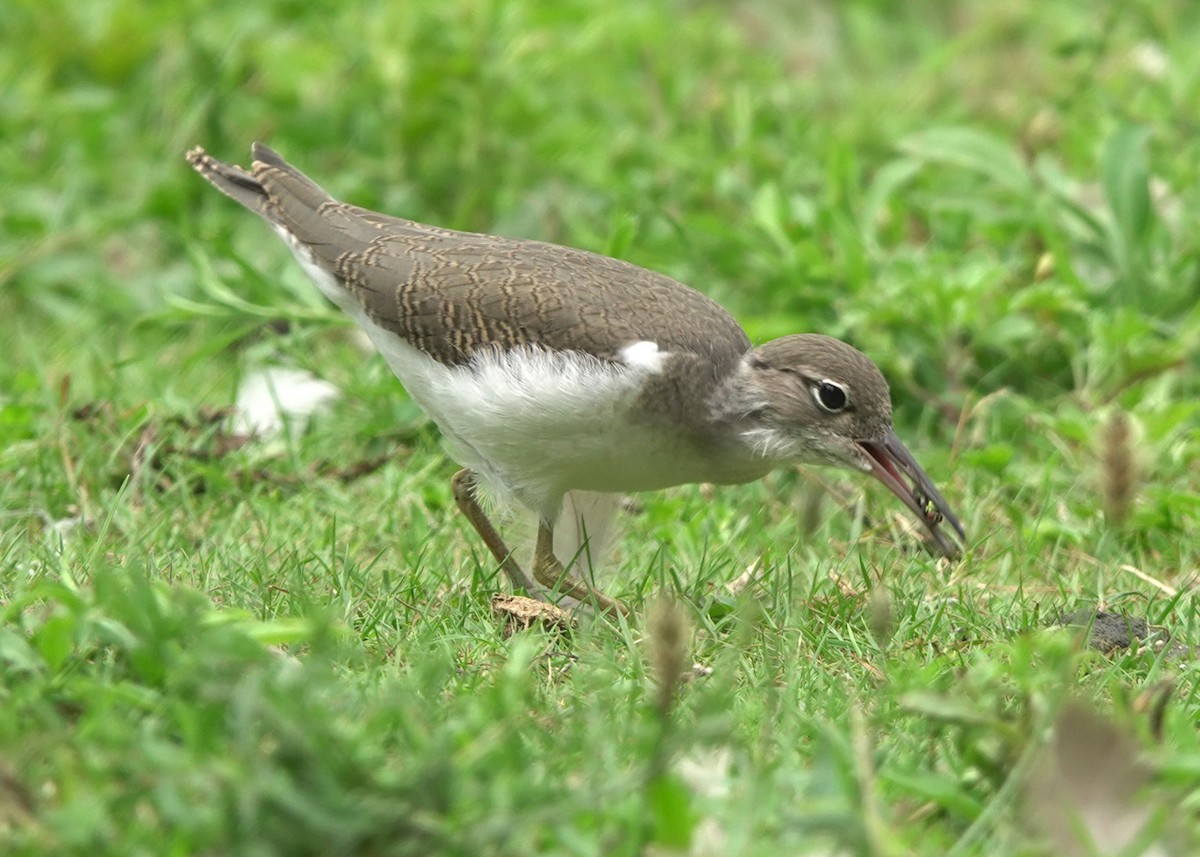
[(667, 637), (1119, 470)]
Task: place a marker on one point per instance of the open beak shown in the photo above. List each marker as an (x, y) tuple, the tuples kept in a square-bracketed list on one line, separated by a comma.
[(893, 465)]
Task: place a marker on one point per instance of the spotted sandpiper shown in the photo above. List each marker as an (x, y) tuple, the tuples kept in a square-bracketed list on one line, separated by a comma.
[(552, 371)]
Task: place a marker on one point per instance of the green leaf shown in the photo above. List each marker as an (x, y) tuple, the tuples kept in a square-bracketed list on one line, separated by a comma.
[(721, 607), (17, 654), (972, 150), (55, 639), (268, 632), (621, 235), (942, 790), (1126, 178), (670, 805), (945, 709), (993, 458), (281, 632), (890, 178), (769, 214)]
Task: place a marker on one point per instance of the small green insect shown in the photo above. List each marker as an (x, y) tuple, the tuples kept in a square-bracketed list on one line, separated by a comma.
[(928, 509)]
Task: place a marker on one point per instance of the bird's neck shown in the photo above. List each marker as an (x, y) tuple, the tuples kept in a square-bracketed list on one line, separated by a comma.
[(732, 424)]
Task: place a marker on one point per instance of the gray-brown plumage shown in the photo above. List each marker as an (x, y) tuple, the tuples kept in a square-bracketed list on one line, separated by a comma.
[(590, 373), (451, 293)]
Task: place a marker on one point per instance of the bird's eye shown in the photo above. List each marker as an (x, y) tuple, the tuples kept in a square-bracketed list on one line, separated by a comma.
[(831, 396)]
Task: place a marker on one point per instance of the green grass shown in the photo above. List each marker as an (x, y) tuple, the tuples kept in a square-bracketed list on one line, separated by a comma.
[(214, 651)]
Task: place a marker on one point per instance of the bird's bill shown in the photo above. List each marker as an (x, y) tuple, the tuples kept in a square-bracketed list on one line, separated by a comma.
[(894, 466)]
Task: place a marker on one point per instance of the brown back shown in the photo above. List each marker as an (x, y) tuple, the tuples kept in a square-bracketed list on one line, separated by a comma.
[(452, 293)]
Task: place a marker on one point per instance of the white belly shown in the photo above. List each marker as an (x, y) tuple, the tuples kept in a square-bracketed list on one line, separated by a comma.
[(537, 424)]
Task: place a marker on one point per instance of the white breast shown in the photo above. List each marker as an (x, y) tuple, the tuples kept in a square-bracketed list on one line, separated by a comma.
[(536, 424)]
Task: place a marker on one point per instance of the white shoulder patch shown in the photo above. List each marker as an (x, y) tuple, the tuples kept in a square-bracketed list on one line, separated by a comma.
[(643, 354)]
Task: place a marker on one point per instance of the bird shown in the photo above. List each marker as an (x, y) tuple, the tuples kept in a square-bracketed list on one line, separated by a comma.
[(561, 378)]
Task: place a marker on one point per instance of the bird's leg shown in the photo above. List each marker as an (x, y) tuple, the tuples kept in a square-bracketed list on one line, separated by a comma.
[(463, 486), (551, 574)]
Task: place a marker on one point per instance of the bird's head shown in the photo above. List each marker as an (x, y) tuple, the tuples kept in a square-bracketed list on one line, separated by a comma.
[(816, 400)]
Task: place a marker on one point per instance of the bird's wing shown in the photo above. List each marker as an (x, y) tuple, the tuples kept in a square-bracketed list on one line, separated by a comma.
[(453, 293)]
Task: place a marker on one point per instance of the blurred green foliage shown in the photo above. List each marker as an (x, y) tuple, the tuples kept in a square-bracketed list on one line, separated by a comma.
[(211, 650)]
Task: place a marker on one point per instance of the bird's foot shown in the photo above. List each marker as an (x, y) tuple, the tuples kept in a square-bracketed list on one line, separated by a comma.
[(547, 570)]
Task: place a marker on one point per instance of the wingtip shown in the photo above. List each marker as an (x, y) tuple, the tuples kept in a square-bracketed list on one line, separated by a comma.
[(264, 154)]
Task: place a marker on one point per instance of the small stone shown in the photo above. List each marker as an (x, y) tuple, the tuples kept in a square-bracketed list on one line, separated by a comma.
[(1110, 631)]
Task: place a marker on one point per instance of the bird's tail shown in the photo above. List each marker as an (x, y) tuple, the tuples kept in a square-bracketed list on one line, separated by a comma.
[(272, 187), (231, 180)]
